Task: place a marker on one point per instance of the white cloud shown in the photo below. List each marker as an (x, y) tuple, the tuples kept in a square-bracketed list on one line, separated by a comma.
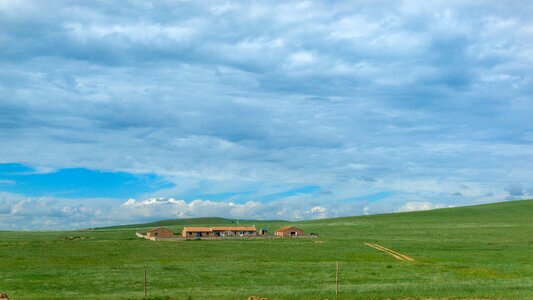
[(366, 210), (419, 205), (301, 58), (172, 208), (259, 97), (18, 212), (319, 212), (136, 32)]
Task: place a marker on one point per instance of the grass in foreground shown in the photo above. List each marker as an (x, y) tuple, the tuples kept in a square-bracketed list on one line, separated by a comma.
[(469, 252)]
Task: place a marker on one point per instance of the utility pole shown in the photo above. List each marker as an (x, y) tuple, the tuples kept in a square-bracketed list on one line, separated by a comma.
[(337, 279)]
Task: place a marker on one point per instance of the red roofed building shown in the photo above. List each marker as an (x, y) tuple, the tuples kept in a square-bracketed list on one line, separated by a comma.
[(196, 232), (160, 232), (288, 231)]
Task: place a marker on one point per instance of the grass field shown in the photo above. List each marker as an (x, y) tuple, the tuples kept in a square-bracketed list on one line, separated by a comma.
[(477, 252)]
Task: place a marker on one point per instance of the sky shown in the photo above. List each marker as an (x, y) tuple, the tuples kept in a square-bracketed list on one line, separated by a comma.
[(132, 111)]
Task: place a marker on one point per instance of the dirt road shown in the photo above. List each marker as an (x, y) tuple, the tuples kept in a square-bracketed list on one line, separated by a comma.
[(391, 252)]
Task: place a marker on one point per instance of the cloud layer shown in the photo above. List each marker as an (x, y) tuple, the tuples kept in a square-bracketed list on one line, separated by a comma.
[(239, 101), (42, 213)]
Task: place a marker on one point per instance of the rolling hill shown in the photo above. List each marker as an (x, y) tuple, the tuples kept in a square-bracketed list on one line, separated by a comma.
[(189, 222)]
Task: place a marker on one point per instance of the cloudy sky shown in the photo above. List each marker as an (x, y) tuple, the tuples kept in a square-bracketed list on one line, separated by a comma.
[(141, 110)]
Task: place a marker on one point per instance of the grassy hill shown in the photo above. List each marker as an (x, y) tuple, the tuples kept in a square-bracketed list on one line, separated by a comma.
[(477, 252), (188, 222)]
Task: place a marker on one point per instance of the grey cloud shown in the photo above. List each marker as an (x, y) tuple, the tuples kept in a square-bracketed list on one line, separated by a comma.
[(518, 191), (515, 190), (286, 93)]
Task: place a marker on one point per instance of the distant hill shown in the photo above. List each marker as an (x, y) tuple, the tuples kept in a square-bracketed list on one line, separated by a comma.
[(192, 221), (519, 210), (509, 211)]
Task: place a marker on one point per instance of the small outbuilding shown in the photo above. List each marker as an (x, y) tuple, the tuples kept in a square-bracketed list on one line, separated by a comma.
[(288, 231), (160, 232)]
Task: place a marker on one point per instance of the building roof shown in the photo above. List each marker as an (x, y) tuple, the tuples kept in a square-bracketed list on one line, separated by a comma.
[(235, 228), (286, 228), (197, 229), (160, 228), (220, 228)]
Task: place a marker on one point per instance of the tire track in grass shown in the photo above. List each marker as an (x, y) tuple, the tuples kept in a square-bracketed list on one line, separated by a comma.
[(391, 252), (405, 257)]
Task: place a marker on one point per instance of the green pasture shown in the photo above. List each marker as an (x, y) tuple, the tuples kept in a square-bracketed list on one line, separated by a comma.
[(481, 252)]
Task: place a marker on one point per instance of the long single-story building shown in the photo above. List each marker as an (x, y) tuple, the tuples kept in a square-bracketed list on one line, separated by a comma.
[(221, 231), (288, 231), (160, 232), (196, 232), (234, 231)]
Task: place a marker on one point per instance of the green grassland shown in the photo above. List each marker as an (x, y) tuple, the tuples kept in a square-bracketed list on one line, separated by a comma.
[(482, 252)]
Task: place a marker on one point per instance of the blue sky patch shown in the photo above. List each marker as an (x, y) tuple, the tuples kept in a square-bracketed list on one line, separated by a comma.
[(374, 197), (77, 182)]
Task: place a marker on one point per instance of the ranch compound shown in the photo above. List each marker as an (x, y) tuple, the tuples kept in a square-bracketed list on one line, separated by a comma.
[(161, 233)]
